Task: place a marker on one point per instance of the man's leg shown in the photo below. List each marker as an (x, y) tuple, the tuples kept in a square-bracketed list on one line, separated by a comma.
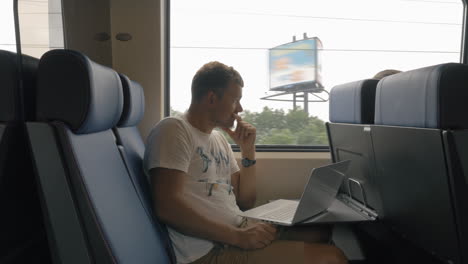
[(295, 245), (224, 255), (310, 234), (316, 238), (322, 253), (278, 252), (295, 252)]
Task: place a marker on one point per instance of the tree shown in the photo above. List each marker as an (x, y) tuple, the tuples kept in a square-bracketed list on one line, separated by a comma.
[(275, 127), (175, 112), (278, 137), (312, 135), (296, 127), (297, 120)]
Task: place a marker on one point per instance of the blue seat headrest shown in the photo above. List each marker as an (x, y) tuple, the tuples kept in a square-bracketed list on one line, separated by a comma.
[(9, 83), (134, 103), (353, 102), (77, 91), (430, 97)]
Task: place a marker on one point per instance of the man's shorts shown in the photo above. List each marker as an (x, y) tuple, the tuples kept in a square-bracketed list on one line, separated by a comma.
[(279, 251)]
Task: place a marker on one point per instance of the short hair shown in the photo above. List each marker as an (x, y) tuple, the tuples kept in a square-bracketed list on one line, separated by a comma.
[(216, 77), (385, 73)]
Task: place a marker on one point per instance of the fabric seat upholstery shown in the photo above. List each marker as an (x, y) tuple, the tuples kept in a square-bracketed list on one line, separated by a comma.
[(430, 97), (419, 140), (22, 231), (133, 149), (353, 102), (78, 103)]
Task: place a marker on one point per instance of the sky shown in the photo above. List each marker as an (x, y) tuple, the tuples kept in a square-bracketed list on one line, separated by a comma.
[(360, 38)]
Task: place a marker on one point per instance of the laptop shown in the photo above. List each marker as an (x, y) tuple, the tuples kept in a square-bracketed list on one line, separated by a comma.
[(318, 195)]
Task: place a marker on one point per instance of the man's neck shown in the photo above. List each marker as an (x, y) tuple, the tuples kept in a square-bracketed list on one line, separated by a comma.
[(200, 119)]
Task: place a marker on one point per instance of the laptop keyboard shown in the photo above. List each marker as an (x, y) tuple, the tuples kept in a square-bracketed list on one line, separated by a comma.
[(283, 213)]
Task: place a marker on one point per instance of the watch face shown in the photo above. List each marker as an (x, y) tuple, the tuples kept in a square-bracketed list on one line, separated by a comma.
[(246, 162)]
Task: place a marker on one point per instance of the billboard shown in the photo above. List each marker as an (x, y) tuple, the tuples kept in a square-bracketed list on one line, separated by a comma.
[(296, 66)]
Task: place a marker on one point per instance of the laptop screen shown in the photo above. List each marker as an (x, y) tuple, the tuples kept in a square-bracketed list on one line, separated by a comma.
[(321, 189)]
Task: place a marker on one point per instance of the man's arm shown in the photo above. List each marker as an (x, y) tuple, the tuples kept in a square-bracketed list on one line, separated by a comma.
[(173, 208), (245, 181)]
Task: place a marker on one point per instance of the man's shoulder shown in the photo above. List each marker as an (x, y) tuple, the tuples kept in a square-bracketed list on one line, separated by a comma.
[(171, 122), (169, 126)]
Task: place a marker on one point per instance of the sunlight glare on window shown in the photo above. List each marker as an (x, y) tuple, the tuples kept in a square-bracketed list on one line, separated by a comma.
[(359, 39)]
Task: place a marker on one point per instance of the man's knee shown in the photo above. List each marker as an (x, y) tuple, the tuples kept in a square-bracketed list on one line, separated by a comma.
[(323, 254)]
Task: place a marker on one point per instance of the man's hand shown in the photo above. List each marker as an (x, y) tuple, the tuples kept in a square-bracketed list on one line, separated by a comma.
[(244, 135), (256, 235)]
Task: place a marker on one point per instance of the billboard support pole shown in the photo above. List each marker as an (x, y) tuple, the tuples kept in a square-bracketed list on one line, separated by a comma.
[(306, 102), (294, 101)]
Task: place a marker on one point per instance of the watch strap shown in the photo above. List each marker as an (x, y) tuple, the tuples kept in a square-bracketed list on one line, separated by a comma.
[(247, 162)]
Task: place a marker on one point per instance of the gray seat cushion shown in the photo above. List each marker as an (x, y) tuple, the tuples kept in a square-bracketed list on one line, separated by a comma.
[(430, 97), (353, 102)]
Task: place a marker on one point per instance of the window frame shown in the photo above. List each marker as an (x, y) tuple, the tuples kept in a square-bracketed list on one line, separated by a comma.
[(276, 148)]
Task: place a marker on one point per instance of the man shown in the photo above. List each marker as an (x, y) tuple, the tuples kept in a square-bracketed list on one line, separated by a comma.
[(199, 189)]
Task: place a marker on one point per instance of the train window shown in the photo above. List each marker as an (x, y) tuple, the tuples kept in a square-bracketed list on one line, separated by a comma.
[(7, 26), (359, 38), (40, 26)]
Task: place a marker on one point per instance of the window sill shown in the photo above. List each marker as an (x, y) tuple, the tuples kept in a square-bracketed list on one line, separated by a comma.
[(286, 148), (289, 155)]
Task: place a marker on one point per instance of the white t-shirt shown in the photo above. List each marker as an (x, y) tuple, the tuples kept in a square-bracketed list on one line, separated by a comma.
[(209, 163)]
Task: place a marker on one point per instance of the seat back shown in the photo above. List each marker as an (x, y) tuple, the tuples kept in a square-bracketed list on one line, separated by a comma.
[(95, 213), (22, 232), (349, 136), (133, 149), (414, 109), (130, 139), (456, 149)]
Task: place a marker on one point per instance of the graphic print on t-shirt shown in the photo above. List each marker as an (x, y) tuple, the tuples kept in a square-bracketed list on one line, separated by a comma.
[(205, 158), (222, 162)]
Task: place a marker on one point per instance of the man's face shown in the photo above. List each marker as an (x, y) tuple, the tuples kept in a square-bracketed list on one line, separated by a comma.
[(228, 105)]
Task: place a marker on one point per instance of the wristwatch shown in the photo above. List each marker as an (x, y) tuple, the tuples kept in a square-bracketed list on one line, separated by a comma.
[(247, 163)]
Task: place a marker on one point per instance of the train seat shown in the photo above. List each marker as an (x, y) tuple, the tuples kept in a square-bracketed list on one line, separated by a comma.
[(352, 137), (351, 111), (419, 139), (353, 102), (94, 212), (22, 231), (430, 97), (132, 149)]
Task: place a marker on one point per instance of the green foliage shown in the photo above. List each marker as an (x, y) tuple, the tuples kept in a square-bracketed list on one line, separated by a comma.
[(297, 120), (278, 137), (319, 137), (175, 112), (275, 127)]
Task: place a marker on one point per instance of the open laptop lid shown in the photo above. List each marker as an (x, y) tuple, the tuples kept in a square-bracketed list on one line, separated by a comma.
[(321, 189)]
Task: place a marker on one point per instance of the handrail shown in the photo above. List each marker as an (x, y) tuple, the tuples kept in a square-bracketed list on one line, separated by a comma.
[(19, 57)]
